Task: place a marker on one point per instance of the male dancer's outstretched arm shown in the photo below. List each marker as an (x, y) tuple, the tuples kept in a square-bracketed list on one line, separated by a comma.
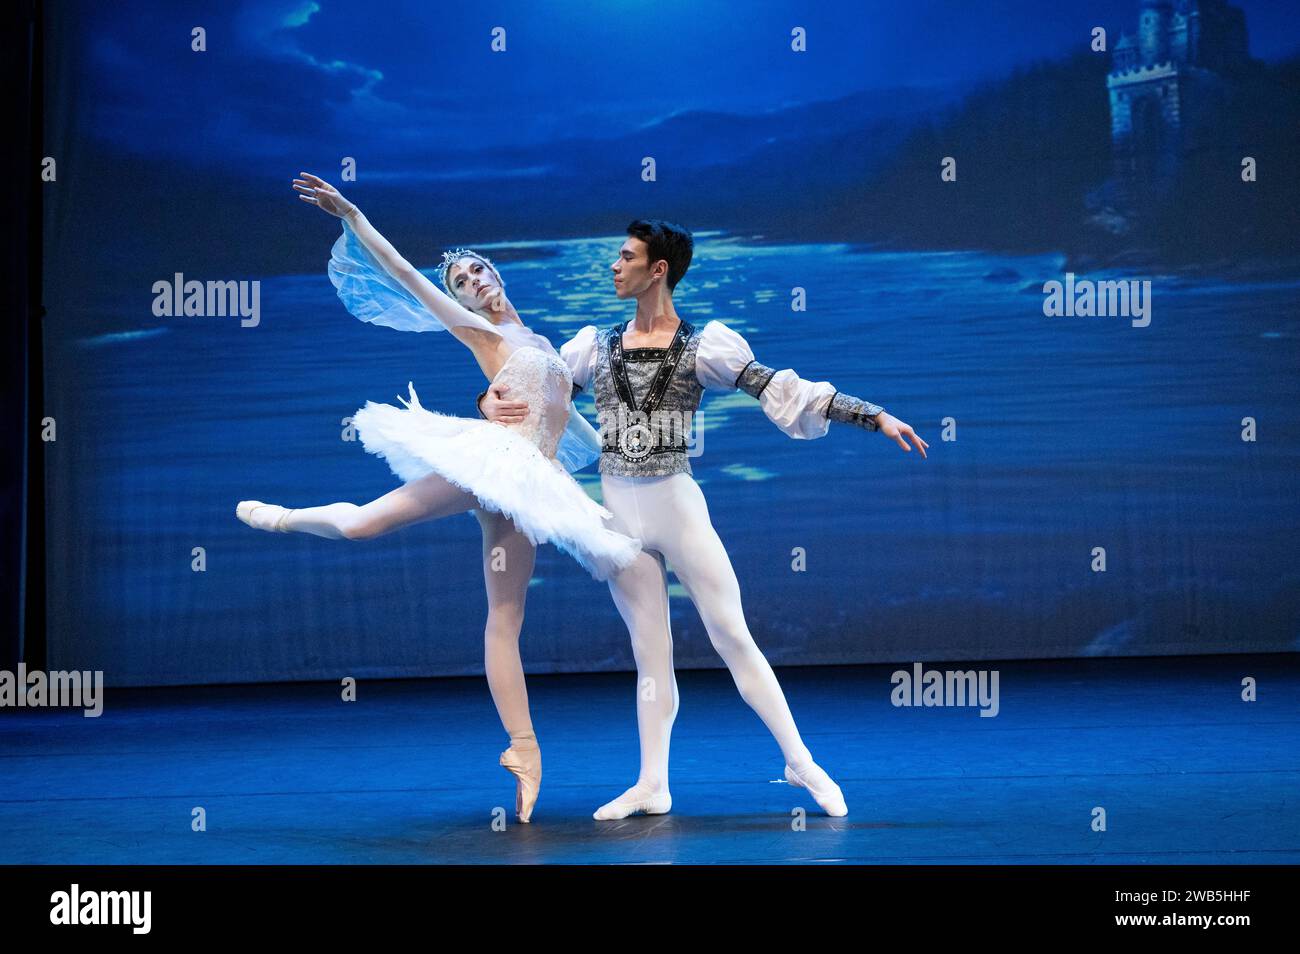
[(802, 409)]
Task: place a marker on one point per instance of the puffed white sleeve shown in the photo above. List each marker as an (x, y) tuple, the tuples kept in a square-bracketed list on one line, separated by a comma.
[(579, 353), (800, 408)]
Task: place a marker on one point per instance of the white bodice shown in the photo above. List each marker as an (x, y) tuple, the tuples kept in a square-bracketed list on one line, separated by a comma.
[(544, 382)]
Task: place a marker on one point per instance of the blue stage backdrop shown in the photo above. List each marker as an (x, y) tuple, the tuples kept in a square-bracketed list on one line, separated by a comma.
[(918, 174)]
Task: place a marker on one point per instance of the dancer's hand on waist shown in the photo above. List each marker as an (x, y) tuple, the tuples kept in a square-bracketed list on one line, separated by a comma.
[(493, 405)]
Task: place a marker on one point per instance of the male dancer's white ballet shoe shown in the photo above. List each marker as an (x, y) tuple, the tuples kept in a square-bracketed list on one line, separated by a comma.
[(262, 516), (634, 801), (525, 764), (823, 789)]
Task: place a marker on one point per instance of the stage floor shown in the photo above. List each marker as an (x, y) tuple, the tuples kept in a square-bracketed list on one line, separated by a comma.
[(1185, 771)]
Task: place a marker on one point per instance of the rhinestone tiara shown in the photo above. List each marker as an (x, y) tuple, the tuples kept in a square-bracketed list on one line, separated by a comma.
[(453, 256)]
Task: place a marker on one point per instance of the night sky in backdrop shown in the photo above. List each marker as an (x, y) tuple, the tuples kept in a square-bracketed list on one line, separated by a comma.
[(417, 81)]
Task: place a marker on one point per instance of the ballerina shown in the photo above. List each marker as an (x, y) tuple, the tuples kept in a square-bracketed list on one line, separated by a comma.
[(512, 476)]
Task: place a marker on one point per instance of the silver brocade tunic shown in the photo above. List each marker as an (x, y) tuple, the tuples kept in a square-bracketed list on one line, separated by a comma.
[(670, 421)]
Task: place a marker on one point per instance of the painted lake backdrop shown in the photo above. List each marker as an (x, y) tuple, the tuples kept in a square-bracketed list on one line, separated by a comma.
[(1050, 437)]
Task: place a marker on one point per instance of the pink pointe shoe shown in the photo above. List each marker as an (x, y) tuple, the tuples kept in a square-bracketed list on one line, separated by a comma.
[(262, 516), (525, 764), (822, 788)]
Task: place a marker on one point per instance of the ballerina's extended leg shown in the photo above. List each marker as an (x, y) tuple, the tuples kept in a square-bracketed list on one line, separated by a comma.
[(428, 498)]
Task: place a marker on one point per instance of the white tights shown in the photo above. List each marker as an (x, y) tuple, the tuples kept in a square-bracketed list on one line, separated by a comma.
[(505, 573), (671, 517)]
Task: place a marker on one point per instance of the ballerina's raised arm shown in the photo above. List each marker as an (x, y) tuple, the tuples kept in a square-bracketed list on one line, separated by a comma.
[(381, 287), (477, 333)]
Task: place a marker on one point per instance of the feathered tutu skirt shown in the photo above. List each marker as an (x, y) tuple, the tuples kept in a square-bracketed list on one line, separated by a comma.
[(504, 470)]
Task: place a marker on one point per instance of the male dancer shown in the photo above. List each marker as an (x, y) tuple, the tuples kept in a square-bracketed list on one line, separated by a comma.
[(648, 377)]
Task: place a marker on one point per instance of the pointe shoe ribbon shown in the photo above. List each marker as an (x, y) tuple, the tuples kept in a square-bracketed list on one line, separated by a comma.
[(636, 800), (273, 522), (526, 766), (825, 791)]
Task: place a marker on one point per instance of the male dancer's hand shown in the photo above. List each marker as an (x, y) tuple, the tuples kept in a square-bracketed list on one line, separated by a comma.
[(891, 426), (500, 411)]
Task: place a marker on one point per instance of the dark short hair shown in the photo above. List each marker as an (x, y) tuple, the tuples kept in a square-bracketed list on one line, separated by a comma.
[(667, 241)]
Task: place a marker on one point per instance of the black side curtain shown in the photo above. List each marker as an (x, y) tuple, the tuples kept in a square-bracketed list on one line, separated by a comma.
[(21, 476)]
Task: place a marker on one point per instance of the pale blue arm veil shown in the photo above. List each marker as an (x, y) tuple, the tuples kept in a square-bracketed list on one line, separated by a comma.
[(370, 293), (579, 444)]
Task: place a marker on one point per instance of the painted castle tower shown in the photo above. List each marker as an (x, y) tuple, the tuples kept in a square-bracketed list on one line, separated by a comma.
[(1166, 87)]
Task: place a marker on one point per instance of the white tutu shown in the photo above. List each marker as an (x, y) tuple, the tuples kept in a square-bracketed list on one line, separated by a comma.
[(504, 470)]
